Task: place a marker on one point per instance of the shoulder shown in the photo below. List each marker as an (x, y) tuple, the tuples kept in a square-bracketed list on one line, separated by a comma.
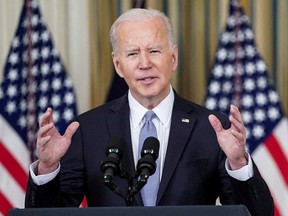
[(105, 109), (198, 111)]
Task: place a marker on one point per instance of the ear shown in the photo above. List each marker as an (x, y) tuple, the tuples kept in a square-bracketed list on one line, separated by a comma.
[(117, 65), (174, 58)]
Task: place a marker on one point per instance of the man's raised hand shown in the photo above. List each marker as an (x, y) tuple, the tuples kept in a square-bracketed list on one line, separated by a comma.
[(233, 140), (51, 145)]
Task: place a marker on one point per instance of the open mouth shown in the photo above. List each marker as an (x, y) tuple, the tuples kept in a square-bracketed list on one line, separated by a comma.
[(147, 79)]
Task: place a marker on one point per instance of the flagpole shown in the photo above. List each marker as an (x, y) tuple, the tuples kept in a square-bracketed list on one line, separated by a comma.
[(237, 47), (31, 112)]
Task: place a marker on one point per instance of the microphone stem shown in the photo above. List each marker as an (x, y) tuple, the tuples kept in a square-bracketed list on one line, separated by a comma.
[(138, 186)]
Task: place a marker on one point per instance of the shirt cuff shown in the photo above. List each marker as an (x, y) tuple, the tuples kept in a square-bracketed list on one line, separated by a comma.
[(242, 174), (42, 179)]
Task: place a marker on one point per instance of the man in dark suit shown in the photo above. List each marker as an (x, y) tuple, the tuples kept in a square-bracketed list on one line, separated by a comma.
[(202, 153)]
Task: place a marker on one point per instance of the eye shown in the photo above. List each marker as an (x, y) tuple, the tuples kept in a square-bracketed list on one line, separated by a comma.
[(154, 51), (132, 54)]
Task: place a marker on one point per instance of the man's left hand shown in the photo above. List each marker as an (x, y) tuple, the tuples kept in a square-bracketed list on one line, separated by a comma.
[(232, 141)]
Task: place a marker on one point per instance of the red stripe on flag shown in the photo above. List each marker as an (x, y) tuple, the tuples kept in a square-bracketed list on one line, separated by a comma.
[(12, 165), (84, 203), (276, 211), (278, 155), (5, 205)]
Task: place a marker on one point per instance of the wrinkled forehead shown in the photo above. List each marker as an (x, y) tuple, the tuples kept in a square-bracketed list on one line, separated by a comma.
[(148, 21), (148, 31)]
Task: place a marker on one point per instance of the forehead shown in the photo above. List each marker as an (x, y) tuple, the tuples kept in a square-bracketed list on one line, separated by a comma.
[(152, 30)]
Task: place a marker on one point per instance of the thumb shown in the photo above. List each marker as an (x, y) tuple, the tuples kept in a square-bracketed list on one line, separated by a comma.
[(71, 130), (215, 123)]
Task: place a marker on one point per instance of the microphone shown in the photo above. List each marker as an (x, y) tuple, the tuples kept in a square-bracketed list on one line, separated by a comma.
[(147, 164), (110, 166)]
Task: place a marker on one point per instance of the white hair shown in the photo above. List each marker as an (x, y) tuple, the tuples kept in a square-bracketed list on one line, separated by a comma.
[(139, 14)]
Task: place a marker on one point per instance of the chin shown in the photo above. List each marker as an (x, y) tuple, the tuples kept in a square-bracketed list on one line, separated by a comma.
[(150, 93)]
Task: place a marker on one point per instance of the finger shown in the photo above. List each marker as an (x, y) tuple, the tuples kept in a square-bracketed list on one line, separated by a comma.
[(42, 141), (238, 129), (46, 117), (44, 129), (71, 130), (50, 115), (215, 123), (235, 125), (240, 136), (236, 114), (236, 119)]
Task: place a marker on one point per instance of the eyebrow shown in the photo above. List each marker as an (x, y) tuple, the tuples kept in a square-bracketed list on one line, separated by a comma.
[(149, 48), (156, 47), (131, 50)]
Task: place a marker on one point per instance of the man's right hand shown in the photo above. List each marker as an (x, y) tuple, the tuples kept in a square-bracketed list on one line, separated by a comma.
[(51, 145)]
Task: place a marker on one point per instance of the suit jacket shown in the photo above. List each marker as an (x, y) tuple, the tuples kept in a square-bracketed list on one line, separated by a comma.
[(193, 173)]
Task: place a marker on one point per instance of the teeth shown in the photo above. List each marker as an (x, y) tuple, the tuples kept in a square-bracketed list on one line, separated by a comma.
[(147, 79)]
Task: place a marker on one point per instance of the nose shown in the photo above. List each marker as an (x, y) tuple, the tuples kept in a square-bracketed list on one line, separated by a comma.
[(144, 61)]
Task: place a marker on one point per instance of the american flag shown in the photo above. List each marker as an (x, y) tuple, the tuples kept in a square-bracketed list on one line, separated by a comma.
[(239, 76), (34, 79)]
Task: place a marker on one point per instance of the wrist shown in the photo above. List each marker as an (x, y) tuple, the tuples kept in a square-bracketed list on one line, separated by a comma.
[(239, 163), (43, 169)]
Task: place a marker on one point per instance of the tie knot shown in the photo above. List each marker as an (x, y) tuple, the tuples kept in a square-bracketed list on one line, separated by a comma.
[(149, 115)]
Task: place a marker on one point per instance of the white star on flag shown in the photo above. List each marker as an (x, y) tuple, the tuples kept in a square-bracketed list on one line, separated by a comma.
[(247, 85)]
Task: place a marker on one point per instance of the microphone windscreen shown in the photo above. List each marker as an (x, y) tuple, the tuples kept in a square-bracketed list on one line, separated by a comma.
[(117, 143), (151, 146)]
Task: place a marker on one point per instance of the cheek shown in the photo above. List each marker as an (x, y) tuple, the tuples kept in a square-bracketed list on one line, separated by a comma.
[(128, 69), (168, 70), (127, 74)]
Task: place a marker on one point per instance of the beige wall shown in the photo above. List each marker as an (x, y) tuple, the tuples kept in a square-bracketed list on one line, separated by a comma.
[(80, 32)]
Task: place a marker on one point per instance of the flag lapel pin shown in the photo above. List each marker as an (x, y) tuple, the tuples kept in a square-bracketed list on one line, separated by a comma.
[(185, 120)]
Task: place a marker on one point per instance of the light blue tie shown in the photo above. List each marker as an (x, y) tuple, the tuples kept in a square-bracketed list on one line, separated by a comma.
[(150, 190)]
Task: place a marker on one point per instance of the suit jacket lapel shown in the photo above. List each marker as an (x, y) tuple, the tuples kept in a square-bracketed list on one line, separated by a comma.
[(182, 123), (119, 125)]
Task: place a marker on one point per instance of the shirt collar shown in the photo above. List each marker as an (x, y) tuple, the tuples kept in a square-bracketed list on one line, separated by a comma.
[(163, 110)]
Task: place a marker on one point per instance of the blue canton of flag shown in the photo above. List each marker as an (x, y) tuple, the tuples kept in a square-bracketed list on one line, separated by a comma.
[(35, 78), (239, 76)]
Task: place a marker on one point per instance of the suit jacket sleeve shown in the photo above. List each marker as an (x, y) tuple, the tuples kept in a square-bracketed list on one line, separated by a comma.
[(254, 193)]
